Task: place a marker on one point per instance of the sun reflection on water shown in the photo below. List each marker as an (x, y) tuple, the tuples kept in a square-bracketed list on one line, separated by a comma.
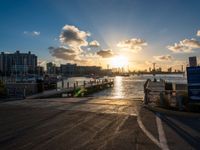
[(118, 88)]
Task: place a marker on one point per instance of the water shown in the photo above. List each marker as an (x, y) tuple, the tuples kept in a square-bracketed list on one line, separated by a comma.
[(127, 87), (132, 87)]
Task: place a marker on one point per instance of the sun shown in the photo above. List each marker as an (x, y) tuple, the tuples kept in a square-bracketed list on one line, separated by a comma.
[(119, 61)]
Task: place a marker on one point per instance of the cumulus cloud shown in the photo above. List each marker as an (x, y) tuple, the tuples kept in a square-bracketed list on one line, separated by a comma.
[(134, 44), (192, 43), (198, 33), (163, 58), (105, 53), (94, 44), (63, 53), (73, 37), (185, 46), (32, 33)]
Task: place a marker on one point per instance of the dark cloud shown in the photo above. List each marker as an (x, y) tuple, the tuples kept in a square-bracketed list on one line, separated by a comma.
[(72, 36), (105, 53), (163, 58), (63, 53)]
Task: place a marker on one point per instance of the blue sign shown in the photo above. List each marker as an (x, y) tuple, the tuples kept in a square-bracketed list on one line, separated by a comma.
[(193, 78)]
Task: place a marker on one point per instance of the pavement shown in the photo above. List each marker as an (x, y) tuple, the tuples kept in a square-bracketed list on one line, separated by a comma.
[(181, 129), (91, 123)]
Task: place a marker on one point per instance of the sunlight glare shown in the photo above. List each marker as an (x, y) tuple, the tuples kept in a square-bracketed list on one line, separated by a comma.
[(119, 61)]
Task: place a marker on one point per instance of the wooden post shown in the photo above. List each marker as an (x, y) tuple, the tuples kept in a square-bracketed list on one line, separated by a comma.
[(74, 85)]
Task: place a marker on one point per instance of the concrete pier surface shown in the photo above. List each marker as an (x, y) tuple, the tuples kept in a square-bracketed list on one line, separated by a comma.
[(83, 123)]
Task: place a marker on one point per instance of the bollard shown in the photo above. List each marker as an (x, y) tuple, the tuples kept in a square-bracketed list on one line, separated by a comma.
[(74, 85), (84, 83)]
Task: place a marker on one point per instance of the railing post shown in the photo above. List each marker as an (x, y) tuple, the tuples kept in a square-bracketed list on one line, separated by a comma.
[(74, 86)]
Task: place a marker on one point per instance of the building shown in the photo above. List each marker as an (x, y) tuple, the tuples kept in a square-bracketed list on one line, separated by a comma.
[(169, 69), (68, 69), (88, 70), (40, 70), (193, 61), (74, 70), (50, 68), (17, 63)]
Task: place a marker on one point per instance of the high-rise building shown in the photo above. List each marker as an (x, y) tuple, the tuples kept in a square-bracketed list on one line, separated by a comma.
[(17, 63), (169, 69), (51, 68), (193, 61)]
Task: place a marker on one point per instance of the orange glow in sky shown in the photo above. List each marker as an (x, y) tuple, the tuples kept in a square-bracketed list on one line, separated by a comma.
[(119, 61)]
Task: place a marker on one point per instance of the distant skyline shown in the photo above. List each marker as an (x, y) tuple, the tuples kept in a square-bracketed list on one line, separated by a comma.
[(101, 32)]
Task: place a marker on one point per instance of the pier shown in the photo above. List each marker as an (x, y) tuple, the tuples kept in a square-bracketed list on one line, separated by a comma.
[(77, 90)]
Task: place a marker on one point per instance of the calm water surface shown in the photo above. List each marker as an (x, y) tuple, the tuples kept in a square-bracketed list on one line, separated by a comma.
[(127, 87), (132, 87)]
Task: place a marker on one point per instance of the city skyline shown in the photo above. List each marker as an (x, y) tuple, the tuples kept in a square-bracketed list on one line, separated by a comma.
[(117, 33)]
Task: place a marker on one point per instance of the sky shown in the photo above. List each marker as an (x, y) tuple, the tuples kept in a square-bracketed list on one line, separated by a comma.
[(94, 32)]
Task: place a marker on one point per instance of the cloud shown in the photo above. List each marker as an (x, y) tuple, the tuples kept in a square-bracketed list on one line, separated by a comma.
[(105, 53), (134, 44), (192, 43), (63, 53), (163, 58), (94, 44), (32, 33), (198, 33), (73, 37), (147, 62), (185, 46), (61, 49)]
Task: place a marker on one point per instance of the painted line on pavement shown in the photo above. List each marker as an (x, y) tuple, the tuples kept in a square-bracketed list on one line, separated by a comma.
[(148, 134), (161, 132)]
